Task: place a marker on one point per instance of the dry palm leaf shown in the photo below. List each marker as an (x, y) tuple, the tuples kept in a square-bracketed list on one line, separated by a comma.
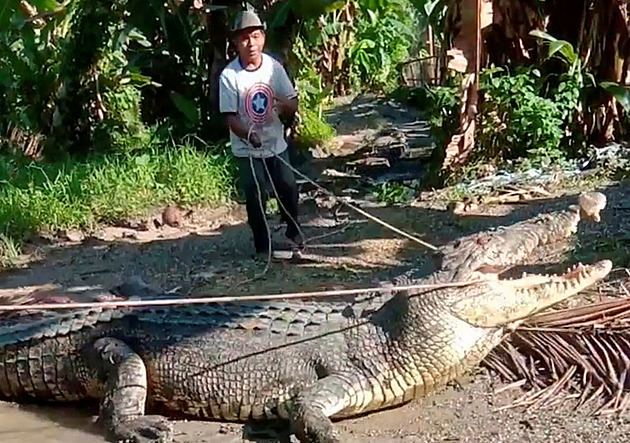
[(581, 353)]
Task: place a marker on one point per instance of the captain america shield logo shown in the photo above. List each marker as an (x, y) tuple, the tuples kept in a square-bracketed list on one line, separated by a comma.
[(258, 103)]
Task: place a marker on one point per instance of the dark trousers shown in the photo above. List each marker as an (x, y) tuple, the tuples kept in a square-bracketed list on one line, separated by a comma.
[(286, 187)]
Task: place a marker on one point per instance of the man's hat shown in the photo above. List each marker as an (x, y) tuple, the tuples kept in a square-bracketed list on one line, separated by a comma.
[(247, 19)]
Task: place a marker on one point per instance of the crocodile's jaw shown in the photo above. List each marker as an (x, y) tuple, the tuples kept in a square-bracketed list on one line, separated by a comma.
[(500, 302)]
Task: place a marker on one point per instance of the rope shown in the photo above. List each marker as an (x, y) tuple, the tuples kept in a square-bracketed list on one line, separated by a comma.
[(275, 191), (357, 209), (262, 208), (229, 299), (327, 192)]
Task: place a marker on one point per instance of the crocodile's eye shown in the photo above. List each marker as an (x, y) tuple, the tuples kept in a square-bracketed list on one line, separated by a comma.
[(321, 371)]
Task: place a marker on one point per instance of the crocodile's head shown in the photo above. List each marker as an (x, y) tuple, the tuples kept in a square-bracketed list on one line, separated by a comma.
[(497, 303), (453, 328), (488, 254)]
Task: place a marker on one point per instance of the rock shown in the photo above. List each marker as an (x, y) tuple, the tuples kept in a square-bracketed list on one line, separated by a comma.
[(371, 162), (72, 235), (135, 287), (205, 275), (463, 206), (137, 225), (318, 152), (132, 235), (172, 216)]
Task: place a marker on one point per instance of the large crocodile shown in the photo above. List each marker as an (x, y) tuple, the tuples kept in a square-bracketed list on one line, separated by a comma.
[(302, 362)]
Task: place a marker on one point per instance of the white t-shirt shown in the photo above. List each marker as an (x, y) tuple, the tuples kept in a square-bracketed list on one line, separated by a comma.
[(251, 95)]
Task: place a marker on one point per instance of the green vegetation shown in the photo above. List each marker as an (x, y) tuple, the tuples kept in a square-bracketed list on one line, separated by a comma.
[(356, 48), (440, 103), (517, 120), (352, 49), (103, 75), (9, 251), (530, 112), (528, 115), (393, 193), (106, 188), (384, 38), (92, 89)]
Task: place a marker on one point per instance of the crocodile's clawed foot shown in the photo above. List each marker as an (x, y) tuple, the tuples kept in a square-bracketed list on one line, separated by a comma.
[(125, 394), (309, 422), (143, 429), (307, 434)]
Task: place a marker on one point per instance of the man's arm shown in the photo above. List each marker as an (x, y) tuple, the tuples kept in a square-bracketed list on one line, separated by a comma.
[(287, 107), (228, 105), (241, 130)]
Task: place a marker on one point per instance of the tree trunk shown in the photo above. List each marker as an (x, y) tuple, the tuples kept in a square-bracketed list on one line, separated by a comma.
[(470, 17), (219, 41)]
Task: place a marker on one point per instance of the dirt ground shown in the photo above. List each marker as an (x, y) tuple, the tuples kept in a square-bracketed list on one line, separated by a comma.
[(211, 255), (467, 413)]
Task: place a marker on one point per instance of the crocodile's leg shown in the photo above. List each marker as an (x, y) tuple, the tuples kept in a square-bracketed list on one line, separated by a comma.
[(313, 406), (125, 393)]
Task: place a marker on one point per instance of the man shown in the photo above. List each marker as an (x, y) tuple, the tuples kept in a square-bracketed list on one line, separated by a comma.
[(255, 93)]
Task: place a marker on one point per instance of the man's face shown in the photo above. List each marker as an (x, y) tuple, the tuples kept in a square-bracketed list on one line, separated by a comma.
[(250, 43)]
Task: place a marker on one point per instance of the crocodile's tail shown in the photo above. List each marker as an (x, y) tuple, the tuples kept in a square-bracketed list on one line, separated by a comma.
[(133, 288), (33, 321), (50, 294)]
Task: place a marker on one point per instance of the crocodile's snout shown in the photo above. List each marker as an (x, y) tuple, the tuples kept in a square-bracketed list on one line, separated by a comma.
[(578, 274), (591, 204), (573, 280)]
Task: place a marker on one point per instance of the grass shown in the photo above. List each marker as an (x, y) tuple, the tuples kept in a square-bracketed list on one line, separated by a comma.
[(313, 131), (9, 251), (71, 194), (393, 193)]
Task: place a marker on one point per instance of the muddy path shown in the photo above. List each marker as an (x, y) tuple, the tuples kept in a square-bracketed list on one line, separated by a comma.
[(210, 254), (469, 412)]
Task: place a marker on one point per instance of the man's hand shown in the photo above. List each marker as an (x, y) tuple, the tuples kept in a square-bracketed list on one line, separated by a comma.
[(254, 140), (242, 131)]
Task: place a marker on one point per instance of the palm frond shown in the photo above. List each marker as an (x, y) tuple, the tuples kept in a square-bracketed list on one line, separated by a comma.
[(580, 353)]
